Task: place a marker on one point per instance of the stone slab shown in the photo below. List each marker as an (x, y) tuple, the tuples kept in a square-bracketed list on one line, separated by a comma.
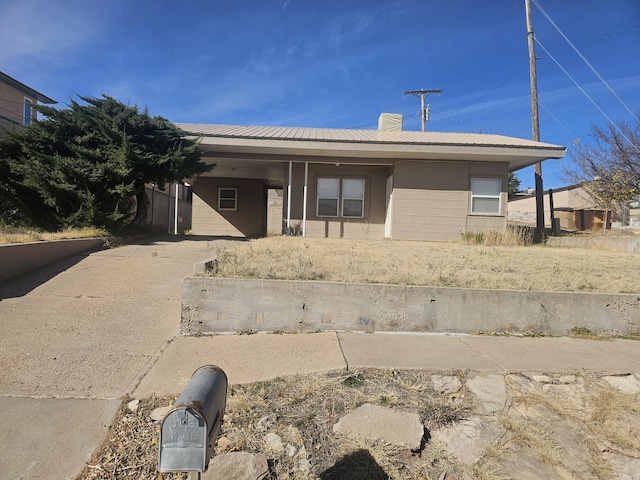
[(379, 423), (237, 466), (625, 467), (626, 384), (51, 438), (244, 358), (490, 390), (421, 351), (468, 439)]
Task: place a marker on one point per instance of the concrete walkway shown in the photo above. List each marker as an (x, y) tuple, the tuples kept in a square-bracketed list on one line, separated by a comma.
[(79, 335)]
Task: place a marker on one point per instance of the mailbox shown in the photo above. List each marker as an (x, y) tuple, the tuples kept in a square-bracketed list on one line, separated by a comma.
[(190, 429)]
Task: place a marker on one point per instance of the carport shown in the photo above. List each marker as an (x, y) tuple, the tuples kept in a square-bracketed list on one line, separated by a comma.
[(356, 183)]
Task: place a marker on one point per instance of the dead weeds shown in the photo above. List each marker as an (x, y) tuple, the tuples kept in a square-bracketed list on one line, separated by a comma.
[(301, 411), (9, 235), (290, 420), (535, 268)]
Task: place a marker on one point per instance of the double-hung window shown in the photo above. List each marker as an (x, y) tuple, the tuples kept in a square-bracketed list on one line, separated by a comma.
[(340, 197), (486, 196), (228, 199), (328, 197)]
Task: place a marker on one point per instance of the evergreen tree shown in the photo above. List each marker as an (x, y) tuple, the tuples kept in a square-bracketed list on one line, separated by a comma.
[(87, 165), (514, 184)]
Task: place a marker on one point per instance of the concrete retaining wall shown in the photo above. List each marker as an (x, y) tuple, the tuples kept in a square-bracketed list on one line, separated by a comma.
[(218, 305), (19, 258), (621, 244)]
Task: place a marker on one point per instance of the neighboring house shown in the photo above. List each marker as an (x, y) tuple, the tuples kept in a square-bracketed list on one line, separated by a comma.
[(522, 207), (574, 205), (356, 183), (16, 104)]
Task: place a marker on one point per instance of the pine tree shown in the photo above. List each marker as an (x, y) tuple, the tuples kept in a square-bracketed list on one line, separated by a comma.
[(87, 165)]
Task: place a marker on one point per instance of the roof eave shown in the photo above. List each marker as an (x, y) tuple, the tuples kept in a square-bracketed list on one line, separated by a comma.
[(18, 85), (518, 156)]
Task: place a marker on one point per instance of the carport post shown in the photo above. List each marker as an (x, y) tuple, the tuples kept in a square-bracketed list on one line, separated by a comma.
[(304, 202), (175, 228), (169, 209), (289, 201)]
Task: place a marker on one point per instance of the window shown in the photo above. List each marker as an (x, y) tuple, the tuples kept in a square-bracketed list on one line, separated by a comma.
[(353, 197), (485, 195), (27, 111), (328, 197), (228, 199), (340, 197)]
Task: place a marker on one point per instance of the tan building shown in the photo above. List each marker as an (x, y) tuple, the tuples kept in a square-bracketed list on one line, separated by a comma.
[(356, 183), (16, 104), (574, 206), (565, 201)]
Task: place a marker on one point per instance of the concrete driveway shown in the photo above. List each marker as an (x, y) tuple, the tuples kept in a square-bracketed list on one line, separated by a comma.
[(77, 336)]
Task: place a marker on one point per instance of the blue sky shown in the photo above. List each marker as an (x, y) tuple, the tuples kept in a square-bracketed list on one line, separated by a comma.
[(335, 64)]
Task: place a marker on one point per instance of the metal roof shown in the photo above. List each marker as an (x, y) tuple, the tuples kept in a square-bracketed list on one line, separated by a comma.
[(364, 136)]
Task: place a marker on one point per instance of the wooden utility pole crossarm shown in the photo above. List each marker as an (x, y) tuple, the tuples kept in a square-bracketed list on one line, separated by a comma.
[(424, 112)]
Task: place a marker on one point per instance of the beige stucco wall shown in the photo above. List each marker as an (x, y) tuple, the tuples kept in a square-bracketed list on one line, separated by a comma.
[(12, 103), (274, 211), (431, 200), (249, 220), (371, 226)]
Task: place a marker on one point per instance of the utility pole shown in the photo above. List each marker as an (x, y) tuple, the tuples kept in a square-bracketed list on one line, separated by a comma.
[(422, 93), (535, 123)]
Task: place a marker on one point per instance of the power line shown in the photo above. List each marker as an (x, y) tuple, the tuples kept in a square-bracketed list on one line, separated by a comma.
[(587, 95), (537, 4), (509, 123), (557, 121)]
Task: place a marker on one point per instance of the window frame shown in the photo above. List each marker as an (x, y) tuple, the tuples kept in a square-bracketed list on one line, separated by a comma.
[(497, 197), (340, 199), (318, 198), (343, 198), (27, 116), (221, 199)]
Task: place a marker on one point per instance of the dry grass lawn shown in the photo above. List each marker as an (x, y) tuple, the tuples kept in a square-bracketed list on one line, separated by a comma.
[(24, 235), (538, 268)]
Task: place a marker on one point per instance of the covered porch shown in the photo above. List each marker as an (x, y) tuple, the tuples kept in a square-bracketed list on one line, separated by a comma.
[(355, 183)]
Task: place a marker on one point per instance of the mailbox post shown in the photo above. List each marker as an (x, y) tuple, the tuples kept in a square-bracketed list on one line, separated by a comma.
[(190, 429)]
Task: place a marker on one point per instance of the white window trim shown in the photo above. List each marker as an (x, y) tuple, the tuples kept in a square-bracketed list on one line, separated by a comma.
[(340, 198), (498, 197), (235, 199), (27, 119)]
